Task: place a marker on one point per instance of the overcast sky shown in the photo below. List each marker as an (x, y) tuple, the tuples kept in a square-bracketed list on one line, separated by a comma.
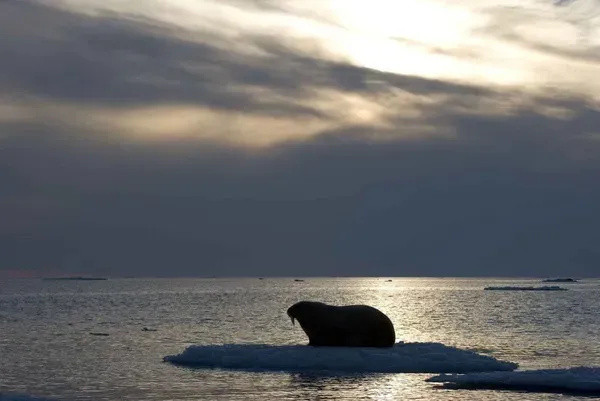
[(287, 138)]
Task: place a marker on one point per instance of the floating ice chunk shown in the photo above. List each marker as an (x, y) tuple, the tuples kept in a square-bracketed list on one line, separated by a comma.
[(20, 397), (560, 280), (574, 380), (402, 358), (543, 288)]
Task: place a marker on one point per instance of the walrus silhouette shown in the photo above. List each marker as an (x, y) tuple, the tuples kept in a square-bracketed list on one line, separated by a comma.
[(343, 326)]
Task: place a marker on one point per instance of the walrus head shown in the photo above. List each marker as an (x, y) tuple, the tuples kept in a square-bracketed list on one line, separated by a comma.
[(292, 312)]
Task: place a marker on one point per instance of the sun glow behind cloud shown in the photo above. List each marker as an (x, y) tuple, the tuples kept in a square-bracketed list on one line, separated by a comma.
[(530, 46), (467, 41), (400, 36)]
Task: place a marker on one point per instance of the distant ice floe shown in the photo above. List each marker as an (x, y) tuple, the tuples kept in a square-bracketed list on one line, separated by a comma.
[(510, 288), (584, 380), (560, 280), (20, 397), (402, 358)]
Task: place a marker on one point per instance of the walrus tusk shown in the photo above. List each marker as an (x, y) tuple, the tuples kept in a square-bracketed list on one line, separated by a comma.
[(293, 324)]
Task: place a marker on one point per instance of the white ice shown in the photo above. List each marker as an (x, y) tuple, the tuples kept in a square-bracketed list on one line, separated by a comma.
[(402, 358), (574, 380), (543, 288)]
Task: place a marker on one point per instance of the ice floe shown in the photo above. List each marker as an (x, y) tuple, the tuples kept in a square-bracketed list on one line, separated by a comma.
[(511, 288), (560, 280), (402, 358), (573, 380), (20, 397)]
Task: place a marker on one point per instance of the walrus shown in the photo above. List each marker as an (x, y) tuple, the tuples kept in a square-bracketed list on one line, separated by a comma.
[(343, 326)]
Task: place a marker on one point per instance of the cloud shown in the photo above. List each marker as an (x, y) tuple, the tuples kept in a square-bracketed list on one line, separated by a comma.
[(563, 34), (116, 60), (138, 77), (385, 173), (510, 194)]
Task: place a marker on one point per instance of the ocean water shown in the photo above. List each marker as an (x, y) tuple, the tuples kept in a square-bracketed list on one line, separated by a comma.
[(46, 348)]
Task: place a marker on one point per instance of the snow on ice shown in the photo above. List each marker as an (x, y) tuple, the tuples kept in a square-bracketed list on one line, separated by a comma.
[(574, 380), (402, 358)]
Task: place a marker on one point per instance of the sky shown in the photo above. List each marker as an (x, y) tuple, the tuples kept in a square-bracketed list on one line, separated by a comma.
[(299, 138)]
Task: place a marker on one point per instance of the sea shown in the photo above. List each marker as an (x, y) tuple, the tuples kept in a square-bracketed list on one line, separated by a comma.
[(106, 340)]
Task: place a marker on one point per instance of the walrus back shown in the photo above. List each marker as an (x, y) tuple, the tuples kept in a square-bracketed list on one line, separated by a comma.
[(375, 327)]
